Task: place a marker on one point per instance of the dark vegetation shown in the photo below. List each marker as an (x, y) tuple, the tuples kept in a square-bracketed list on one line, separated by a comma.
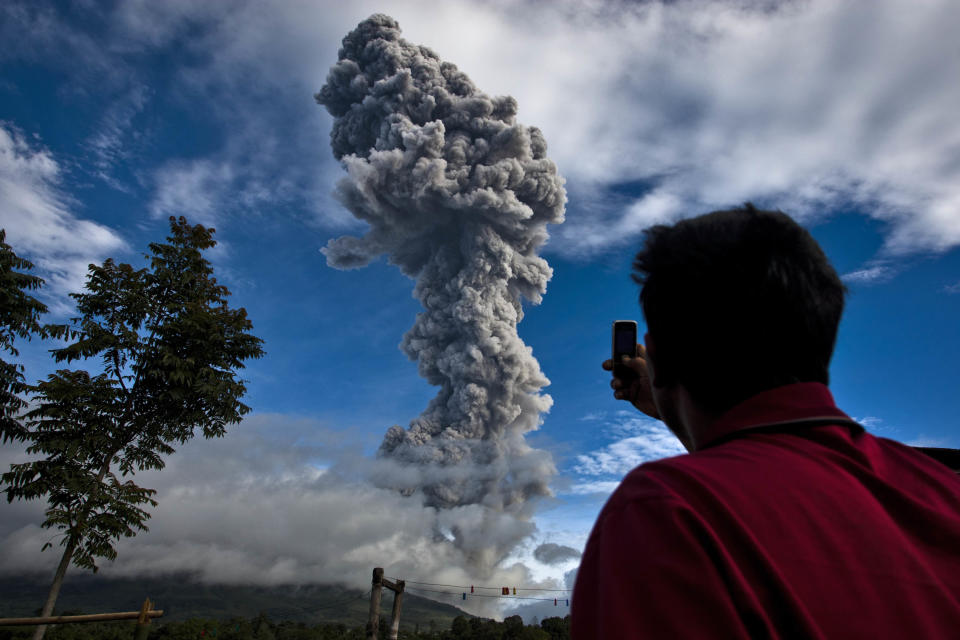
[(263, 628), (181, 598), (285, 612)]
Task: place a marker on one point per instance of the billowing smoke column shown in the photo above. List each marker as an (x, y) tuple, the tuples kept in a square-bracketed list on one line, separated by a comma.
[(458, 196)]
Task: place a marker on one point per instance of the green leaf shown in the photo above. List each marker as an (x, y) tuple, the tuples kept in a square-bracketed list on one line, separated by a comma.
[(19, 318)]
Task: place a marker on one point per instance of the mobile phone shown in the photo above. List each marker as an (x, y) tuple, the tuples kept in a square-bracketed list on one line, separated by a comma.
[(624, 344)]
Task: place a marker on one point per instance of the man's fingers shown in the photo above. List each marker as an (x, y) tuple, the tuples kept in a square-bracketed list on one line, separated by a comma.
[(638, 364), (608, 365), (615, 383)]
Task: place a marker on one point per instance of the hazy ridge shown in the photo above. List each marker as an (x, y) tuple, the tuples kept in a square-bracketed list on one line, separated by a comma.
[(182, 598)]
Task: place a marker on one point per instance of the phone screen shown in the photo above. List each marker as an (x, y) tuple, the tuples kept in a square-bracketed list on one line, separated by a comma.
[(624, 344)]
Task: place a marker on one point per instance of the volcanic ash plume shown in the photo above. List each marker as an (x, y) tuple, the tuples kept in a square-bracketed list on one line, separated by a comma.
[(458, 195)]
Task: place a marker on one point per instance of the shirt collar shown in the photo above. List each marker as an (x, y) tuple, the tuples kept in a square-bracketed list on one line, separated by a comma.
[(801, 401)]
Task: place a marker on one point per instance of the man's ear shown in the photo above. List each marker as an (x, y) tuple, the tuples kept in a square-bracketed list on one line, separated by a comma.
[(659, 373)]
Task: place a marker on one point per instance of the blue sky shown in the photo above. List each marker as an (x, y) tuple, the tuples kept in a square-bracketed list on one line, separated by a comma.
[(114, 116)]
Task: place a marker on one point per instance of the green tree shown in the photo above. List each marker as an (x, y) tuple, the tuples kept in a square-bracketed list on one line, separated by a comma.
[(170, 347), (558, 628), (512, 626), (459, 629), (514, 629), (263, 627), (19, 318)]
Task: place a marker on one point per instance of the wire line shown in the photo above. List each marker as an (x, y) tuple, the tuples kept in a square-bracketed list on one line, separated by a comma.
[(460, 586), (484, 595)]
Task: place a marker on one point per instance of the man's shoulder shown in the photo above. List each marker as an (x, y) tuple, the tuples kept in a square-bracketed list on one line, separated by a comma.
[(657, 480), (664, 472), (759, 464)]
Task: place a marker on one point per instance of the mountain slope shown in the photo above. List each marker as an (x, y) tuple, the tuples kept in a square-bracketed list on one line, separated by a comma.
[(182, 598)]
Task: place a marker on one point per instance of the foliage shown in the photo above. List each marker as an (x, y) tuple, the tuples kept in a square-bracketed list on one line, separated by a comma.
[(169, 346), (262, 628), (512, 628), (19, 318), (557, 628)]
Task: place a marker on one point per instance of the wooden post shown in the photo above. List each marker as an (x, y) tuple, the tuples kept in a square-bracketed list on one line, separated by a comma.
[(143, 622), (395, 614), (376, 590)]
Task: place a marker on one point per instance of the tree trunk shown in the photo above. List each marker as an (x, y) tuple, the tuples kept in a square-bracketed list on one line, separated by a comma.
[(68, 552), (55, 588)]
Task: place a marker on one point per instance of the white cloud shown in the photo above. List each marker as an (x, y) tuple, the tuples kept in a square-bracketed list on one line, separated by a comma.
[(639, 440), (593, 416), (141, 25), (869, 275), (594, 487), (926, 441), (880, 427), (113, 140), (622, 456), (869, 421), (39, 221), (192, 189), (260, 66), (48, 36)]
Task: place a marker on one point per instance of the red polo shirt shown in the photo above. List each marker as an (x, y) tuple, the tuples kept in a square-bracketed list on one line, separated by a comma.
[(814, 530)]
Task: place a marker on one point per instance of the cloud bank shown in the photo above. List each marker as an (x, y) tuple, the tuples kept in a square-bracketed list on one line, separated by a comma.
[(278, 500), (814, 107)]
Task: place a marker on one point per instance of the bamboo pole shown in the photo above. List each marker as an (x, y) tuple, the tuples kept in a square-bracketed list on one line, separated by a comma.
[(92, 617), (143, 622)]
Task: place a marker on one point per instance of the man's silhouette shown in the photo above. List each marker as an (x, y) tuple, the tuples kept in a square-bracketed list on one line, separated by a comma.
[(786, 519)]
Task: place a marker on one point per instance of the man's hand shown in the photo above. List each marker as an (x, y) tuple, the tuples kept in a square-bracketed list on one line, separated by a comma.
[(636, 389)]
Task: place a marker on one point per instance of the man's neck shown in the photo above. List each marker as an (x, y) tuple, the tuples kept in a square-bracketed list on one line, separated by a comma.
[(690, 422)]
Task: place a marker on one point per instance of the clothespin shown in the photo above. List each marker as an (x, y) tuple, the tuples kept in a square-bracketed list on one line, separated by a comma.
[(464, 595), (554, 602), (471, 588), (505, 591), (514, 591)]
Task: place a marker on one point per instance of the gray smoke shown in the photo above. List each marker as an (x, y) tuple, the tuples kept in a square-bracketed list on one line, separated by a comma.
[(458, 195), (550, 553)]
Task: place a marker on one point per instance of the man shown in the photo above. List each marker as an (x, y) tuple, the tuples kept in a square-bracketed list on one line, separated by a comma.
[(786, 519)]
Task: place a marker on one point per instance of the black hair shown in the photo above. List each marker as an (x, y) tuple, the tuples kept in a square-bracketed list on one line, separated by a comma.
[(737, 302)]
